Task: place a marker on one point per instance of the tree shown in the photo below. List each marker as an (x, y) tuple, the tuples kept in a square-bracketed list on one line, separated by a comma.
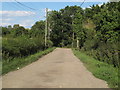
[(5, 31), (56, 27), (61, 25), (78, 28), (18, 30), (38, 29)]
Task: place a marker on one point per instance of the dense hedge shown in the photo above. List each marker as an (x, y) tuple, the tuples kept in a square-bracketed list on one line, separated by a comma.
[(21, 46), (18, 42), (108, 52)]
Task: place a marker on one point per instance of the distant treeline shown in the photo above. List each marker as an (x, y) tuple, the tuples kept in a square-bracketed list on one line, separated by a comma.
[(20, 42)]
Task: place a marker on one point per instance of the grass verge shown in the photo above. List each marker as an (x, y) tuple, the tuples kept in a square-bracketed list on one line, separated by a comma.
[(21, 62), (99, 69)]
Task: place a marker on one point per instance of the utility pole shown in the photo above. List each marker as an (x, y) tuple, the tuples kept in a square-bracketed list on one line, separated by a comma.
[(73, 40), (46, 27), (49, 29), (77, 43), (72, 16), (72, 36)]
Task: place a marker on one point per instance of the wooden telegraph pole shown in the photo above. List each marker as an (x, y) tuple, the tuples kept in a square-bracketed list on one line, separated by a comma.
[(73, 32), (46, 27), (72, 36)]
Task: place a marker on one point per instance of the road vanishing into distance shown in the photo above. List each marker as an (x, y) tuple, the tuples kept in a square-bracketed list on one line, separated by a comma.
[(58, 69)]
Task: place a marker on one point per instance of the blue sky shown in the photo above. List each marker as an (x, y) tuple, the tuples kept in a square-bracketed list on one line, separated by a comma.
[(14, 13)]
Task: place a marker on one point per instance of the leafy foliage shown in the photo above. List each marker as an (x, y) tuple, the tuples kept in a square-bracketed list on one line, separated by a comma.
[(100, 69), (97, 29), (20, 42)]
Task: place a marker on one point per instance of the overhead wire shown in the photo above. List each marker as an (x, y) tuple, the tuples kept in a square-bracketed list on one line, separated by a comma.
[(25, 5), (19, 6), (82, 3), (10, 4)]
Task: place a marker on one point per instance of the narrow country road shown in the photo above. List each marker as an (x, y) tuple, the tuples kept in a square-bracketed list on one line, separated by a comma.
[(58, 69)]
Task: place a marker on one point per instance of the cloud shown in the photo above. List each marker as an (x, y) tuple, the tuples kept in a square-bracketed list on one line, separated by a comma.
[(26, 23), (49, 9), (17, 17), (5, 19), (16, 13), (100, 4), (4, 24)]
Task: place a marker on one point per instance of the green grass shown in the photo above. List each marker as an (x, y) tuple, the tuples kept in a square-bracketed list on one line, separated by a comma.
[(0, 67), (99, 69), (21, 62)]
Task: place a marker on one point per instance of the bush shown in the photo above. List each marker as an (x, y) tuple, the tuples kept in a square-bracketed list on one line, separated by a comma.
[(21, 46), (49, 43), (106, 52)]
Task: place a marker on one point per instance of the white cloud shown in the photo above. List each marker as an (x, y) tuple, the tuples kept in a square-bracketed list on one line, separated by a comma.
[(4, 24), (5, 19), (49, 9), (16, 13), (21, 24), (100, 4), (26, 23), (95, 5), (83, 8), (16, 17)]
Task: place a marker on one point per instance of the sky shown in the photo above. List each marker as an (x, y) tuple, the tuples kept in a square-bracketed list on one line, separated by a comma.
[(15, 13)]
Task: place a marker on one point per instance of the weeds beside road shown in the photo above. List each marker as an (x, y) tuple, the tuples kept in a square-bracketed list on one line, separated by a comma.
[(17, 63), (99, 69)]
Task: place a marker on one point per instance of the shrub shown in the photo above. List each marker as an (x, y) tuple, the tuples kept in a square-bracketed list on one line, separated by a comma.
[(21, 46)]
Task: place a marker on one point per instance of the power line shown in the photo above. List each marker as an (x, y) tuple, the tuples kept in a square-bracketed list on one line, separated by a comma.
[(10, 4), (82, 3), (14, 5), (18, 5), (25, 5)]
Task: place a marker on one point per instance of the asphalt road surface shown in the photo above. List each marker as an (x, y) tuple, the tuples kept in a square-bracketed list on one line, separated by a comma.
[(58, 69)]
